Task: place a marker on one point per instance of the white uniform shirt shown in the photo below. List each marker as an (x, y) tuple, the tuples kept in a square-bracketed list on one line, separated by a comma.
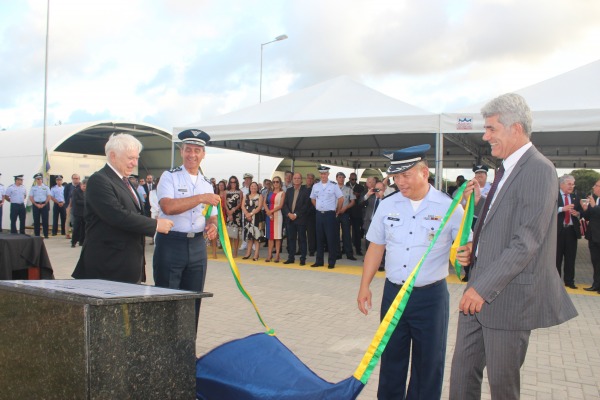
[(407, 234), (39, 193), (348, 195), (326, 195), (16, 194), (177, 184)]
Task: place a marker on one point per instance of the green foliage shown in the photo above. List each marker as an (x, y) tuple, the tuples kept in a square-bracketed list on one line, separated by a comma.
[(584, 180)]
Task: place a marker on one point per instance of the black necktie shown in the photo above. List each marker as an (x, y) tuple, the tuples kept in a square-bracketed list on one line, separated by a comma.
[(486, 207), (376, 205)]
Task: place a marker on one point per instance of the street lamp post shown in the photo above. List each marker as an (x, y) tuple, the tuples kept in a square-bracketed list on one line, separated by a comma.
[(277, 39)]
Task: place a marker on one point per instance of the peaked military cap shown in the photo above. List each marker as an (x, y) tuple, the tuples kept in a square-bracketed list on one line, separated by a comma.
[(480, 168), (248, 175), (323, 168), (340, 174), (404, 159), (18, 177), (194, 136), (38, 175), (58, 177)]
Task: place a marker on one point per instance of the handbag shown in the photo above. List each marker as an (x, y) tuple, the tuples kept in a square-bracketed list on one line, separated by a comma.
[(233, 231)]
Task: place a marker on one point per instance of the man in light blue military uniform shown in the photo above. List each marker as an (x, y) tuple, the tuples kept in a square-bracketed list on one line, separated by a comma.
[(183, 193), (2, 191), (343, 218), (40, 199), (57, 194), (403, 226), (327, 198), (16, 195)]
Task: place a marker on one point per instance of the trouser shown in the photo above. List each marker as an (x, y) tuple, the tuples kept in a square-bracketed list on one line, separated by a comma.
[(325, 227), (344, 223), (311, 233), (1, 207), (595, 256), (566, 247), (422, 330), (357, 233), (17, 210), (43, 214), (78, 234), (297, 233), (180, 263), (502, 352), (56, 212)]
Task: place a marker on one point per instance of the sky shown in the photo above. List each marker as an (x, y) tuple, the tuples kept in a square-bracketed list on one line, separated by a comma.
[(175, 62)]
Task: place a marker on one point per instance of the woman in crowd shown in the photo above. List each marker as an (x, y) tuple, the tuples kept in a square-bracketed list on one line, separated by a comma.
[(253, 203), (233, 205), (274, 222)]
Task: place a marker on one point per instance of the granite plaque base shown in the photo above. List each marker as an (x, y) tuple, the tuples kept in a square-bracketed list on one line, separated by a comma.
[(94, 339)]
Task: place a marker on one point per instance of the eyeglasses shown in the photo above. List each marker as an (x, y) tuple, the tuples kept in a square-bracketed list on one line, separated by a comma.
[(276, 181)]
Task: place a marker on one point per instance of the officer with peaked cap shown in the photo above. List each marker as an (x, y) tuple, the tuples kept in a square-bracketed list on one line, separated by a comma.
[(2, 191), (59, 209), (180, 257), (481, 173), (16, 195), (327, 198), (403, 227), (39, 194)]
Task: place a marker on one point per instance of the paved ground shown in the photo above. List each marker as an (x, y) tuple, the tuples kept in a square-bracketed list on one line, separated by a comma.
[(313, 311)]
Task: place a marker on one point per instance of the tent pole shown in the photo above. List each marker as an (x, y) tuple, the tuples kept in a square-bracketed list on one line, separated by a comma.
[(45, 154), (439, 155)]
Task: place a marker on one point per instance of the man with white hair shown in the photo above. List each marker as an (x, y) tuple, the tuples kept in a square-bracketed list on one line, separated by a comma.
[(115, 222)]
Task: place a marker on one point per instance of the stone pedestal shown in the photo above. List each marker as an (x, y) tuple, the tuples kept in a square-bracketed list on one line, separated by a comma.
[(94, 339)]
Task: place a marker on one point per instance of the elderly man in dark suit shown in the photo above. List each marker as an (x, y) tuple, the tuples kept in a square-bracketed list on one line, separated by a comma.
[(568, 229), (115, 220), (513, 287), (296, 207)]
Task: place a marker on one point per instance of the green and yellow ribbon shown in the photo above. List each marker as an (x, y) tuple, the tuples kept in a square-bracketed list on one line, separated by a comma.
[(226, 244), (394, 313)]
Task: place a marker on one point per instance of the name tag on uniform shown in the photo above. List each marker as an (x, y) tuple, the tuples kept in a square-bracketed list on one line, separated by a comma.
[(393, 219), (433, 218), (182, 189)]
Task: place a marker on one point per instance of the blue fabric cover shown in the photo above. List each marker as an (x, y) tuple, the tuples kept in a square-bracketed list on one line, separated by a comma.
[(261, 367)]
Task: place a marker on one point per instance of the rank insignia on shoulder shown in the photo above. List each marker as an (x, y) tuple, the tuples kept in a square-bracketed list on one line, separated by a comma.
[(176, 169)]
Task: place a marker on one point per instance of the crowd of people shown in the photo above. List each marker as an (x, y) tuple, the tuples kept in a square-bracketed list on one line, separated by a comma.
[(513, 287)]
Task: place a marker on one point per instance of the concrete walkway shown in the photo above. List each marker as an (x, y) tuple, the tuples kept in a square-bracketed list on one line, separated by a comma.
[(314, 313)]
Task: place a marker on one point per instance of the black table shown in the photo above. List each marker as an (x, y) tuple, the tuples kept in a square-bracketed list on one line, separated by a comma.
[(24, 257)]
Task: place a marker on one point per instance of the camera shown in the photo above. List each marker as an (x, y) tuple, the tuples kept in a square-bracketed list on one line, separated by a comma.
[(376, 190)]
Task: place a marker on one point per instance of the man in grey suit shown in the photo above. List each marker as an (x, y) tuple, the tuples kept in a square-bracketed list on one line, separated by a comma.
[(513, 287)]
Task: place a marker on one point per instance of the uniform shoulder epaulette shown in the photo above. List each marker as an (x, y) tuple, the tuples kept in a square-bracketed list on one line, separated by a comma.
[(177, 169), (207, 179), (335, 183), (391, 194)]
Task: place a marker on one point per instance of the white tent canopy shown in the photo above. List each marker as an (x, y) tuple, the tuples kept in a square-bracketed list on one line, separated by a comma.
[(337, 122), (21, 150), (566, 119)]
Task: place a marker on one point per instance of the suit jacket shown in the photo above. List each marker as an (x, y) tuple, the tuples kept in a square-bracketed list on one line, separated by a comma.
[(303, 204), (561, 215), (368, 206), (115, 230), (592, 215), (147, 203), (515, 271)]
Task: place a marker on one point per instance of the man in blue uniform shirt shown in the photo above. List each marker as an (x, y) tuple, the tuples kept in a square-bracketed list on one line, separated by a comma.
[(16, 195), (327, 198), (403, 227), (60, 209), (180, 257), (40, 197)]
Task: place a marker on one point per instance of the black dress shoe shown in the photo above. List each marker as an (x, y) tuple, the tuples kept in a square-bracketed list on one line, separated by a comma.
[(330, 266), (302, 263), (352, 258), (381, 268), (591, 289), (288, 262), (312, 254), (359, 253), (316, 265), (571, 286)]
